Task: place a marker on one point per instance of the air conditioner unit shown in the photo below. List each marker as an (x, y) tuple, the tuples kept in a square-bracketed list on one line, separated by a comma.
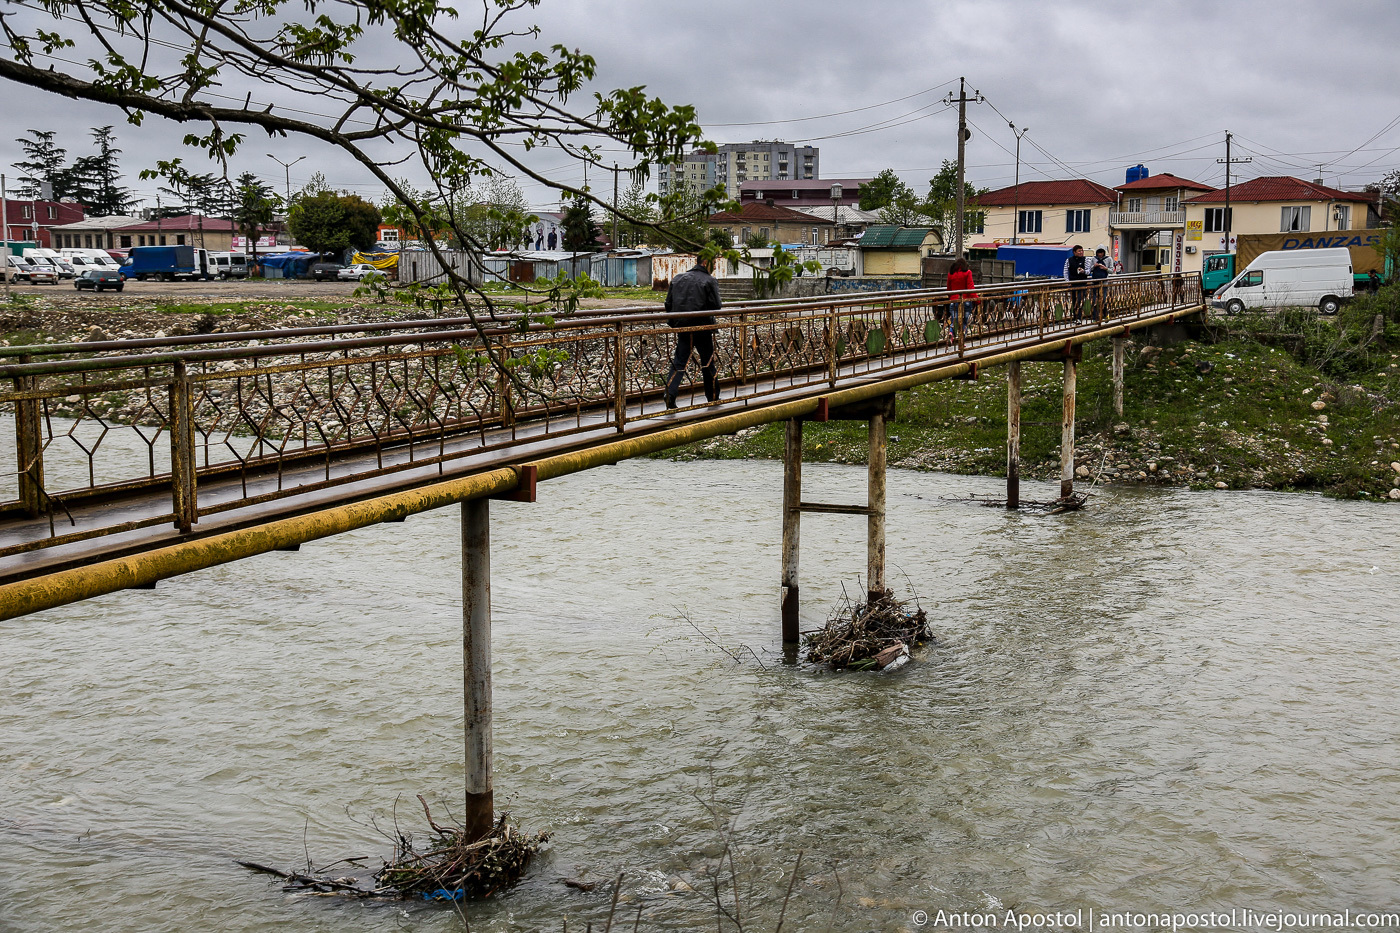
[(1190, 249)]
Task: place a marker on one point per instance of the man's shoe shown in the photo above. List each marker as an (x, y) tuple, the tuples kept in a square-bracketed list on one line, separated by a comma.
[(670, 401)]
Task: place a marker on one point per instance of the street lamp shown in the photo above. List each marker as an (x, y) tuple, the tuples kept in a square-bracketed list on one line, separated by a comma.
[(287, 166), (835, 202), (1016, 223)]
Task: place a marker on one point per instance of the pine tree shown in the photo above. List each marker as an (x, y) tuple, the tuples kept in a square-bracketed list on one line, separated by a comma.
[(254, 205), (580, 232), (46, 162), (98, 178)]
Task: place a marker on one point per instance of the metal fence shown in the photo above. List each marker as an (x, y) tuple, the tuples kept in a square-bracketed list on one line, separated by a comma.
[(208, 424)]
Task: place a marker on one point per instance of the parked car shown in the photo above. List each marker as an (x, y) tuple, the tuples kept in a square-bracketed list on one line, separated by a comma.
[(37, 272), (355, 272), (99, 279), (324, 271)]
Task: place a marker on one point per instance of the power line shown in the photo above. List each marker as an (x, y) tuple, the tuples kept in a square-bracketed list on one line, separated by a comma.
[(839, 113)]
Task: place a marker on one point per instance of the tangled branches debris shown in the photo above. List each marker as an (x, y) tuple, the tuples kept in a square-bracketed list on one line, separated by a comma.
[(874, 635), (1071, 503), (450, 868)]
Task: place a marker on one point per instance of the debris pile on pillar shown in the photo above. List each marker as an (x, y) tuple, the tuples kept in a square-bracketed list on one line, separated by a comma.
[(877, 634)]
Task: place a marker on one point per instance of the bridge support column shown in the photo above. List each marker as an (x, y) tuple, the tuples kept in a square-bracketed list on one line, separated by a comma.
[(1067, 433), (476, 666), (792, 525), (29, 446), (1120, 347), (1013, 435), (875, 519)]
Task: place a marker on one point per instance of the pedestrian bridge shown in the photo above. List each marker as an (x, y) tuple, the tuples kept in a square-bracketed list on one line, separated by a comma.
[(139, 460)]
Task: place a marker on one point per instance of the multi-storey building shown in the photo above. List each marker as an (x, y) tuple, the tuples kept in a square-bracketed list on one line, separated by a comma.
[(735, 163)]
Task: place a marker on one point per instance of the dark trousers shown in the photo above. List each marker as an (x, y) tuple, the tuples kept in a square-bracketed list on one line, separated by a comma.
[(1078, 294), (702, 342)]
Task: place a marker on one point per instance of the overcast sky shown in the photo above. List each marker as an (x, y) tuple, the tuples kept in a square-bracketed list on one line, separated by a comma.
[(1101, 86)]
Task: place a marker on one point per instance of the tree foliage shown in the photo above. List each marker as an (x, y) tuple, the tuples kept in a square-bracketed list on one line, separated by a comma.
[(580, 231), (941, 203), (329, 222), (884, 189), (635, 204), (254, 205), (45, 163), (100, 178)]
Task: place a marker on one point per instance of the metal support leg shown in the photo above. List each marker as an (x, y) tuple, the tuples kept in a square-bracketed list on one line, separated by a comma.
[(476, 665), (1067, 433), (29, 446), (1119, 348), (792, 524), (875, 522), (1013, 435)]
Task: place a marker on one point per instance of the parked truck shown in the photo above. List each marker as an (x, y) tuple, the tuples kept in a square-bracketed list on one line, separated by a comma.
[(167, 263), (1366, 259)]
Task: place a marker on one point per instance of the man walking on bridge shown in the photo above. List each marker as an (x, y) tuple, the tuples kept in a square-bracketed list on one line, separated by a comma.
[(692, 292)]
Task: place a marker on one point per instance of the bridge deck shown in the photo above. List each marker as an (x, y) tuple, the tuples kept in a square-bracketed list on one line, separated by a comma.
[(271, 470)]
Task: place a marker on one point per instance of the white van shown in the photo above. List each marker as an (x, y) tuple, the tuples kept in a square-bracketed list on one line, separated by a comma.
[(1294, 278), (49, 257), (228, 265), (80, 258)]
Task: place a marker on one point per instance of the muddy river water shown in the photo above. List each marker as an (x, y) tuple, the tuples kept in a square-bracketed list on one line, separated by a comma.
[(1171, 701)]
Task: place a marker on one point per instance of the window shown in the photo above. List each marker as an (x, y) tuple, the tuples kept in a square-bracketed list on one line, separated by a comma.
[(1077, 221), (28, 212), (1295, 218), (1218, 218), (1250, 279), (796, 194), (758, 195), (1028, 221), (763, 232), (87, 241), (126, 241), (1171, 203), (1134, 205), (814, 236), (179, 239), (53, 212), (1343, 214), (974, 222), (162, 239), (747, 232)]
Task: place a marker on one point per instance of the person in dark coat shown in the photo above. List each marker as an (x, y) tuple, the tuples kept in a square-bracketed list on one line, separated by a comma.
[(1077, 269), (693, 291)]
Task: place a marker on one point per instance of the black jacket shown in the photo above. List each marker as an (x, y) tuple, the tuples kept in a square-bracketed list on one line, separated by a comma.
[(695, 290)]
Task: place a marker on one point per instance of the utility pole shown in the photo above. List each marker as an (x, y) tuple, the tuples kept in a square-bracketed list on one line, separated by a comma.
[(1016, 211), (1229, 162), (963, 135), (614, 236)]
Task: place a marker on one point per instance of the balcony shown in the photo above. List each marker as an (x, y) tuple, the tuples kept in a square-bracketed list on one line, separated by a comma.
[(1156, 219)]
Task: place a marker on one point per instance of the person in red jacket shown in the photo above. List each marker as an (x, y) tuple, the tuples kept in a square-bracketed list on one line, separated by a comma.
[(962, 294)]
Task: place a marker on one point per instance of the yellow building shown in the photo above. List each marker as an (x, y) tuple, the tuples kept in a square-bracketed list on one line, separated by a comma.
[(1272, 204), (1074, 212)]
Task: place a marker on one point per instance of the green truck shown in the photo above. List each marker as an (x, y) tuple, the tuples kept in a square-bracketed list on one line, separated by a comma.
[(1220, 268)]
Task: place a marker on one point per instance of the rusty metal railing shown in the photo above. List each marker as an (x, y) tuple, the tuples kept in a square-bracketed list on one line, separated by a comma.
[(221, 422)]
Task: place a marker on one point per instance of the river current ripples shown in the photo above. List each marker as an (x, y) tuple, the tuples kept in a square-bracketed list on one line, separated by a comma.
[(1172, 700)]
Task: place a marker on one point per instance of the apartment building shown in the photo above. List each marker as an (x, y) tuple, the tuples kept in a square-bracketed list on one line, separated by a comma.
[(735, 163)]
